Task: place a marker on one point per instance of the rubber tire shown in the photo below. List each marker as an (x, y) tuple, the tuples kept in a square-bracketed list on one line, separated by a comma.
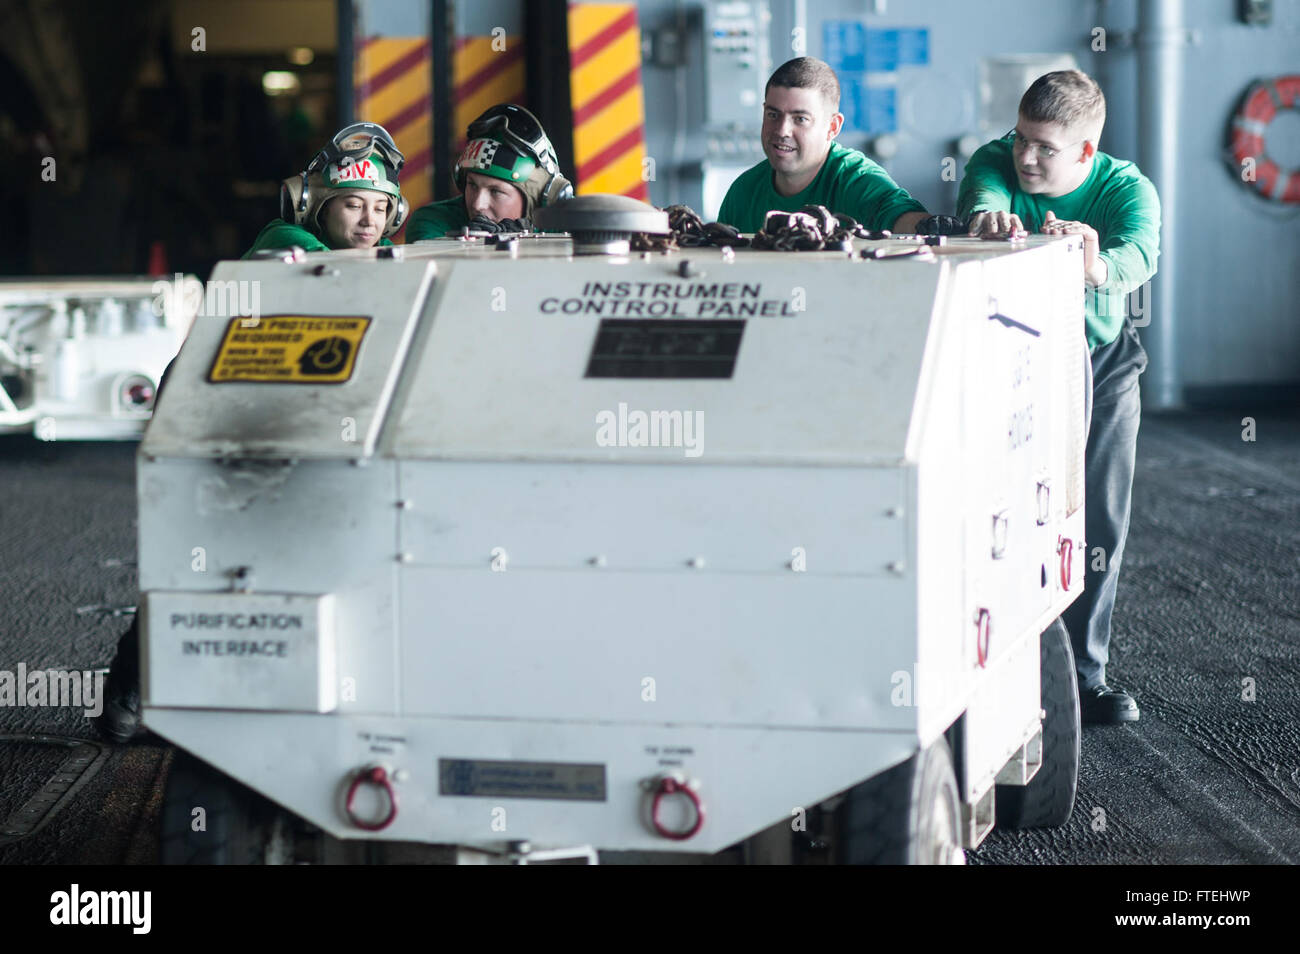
[(894, 818), (1048, 800), (239, 822)]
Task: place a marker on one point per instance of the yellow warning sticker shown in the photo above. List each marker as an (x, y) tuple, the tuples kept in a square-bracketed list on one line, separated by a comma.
[(292, 349)]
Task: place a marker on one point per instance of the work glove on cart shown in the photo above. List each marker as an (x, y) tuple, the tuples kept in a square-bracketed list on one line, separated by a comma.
[(941, 225), (481, 223)]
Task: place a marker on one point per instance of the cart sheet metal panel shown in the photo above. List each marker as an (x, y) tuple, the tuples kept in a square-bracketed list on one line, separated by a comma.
[(208, 411), (674, 647), (304, 527), (837, 521), (503, 372), (751, 777)]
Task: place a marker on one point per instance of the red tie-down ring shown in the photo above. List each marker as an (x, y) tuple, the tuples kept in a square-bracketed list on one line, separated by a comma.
[(982, 627), (1065, 547), (372, 775), (668, 785)]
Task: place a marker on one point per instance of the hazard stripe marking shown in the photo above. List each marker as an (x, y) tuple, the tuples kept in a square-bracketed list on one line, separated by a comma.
[(607, 99)]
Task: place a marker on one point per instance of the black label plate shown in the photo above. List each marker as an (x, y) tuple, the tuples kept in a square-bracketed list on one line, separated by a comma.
[(665, 348), (572, 781)]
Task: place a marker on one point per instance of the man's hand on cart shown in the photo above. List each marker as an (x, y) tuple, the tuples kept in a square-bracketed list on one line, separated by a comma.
[(997, 225), (1094, 267)]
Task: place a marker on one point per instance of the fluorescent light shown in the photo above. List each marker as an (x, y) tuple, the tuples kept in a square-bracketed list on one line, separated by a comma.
[(280, 83)]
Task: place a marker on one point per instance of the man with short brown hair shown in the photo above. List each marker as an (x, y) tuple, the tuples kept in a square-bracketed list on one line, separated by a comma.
[(804, 164), (1047, 175)]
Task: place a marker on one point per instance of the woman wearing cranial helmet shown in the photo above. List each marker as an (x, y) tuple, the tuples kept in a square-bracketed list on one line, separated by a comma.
[(507, 172), (347, 197)]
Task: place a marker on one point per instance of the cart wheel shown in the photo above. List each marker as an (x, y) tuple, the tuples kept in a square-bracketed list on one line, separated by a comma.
[(909, 815), (238, 826), (1048, 799)]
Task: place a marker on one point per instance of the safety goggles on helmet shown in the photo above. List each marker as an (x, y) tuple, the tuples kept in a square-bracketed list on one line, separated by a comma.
[(359, 141), (361, 157), (508, 123)]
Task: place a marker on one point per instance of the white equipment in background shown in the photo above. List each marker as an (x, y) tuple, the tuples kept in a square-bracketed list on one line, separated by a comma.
[(81, 358), (533, 553), (1004, 79)]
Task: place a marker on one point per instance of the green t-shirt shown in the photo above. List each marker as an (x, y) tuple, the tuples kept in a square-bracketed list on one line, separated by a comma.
[(1116, 199), (848, 182), (280, 234), (437, 219)]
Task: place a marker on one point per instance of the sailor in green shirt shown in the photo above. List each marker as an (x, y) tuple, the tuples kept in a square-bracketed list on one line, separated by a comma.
[(1031, 180), (1047, 175), (805, 165), (347, 197), (507, 172)]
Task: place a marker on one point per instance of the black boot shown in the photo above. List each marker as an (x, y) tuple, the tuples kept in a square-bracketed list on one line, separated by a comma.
[(120, 719), (1102, 705)]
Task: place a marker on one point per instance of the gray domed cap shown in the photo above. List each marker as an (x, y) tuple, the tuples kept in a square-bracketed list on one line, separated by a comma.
[(602, 223)]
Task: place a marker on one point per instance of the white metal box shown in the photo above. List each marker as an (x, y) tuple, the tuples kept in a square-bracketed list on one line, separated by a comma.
[(854, 545)]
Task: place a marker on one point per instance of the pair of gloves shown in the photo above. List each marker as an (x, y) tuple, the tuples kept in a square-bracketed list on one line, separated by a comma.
[(481, 223), (941, 225)]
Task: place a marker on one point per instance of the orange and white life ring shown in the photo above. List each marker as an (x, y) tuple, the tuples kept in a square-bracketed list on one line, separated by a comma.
[(1261, 104)]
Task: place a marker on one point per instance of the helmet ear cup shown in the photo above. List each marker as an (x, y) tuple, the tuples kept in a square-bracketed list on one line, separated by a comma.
[(294, 198), (557, 190), (401, 208), (286, 200)]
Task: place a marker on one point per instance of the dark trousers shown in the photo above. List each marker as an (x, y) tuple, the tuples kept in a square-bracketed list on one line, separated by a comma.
[(124, 670), (1108, 489)]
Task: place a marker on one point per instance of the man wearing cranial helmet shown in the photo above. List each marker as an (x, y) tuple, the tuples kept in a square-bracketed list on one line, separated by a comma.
[(347, 197), (506, 172)]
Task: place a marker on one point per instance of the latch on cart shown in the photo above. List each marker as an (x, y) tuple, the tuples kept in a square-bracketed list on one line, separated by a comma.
[(674, 783)]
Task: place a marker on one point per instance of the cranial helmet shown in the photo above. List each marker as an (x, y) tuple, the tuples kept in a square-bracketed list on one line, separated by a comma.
[(507, 142), (361, 156)]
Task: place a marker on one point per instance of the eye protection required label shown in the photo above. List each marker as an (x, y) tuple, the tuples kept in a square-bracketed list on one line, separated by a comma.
[(289, 349)]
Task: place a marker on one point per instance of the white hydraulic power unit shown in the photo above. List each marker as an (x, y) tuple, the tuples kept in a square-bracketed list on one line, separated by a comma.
[(485, 543), (82, 358)]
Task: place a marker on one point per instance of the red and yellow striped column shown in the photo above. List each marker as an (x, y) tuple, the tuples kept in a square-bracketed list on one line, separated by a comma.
[(394, 87), (607, 100), (485, 71)]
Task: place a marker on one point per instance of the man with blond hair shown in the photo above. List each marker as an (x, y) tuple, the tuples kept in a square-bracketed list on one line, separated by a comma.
[(1047, 175)]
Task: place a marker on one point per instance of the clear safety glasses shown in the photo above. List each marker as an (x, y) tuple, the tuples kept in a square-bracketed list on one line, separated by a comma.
[(1022, 144)]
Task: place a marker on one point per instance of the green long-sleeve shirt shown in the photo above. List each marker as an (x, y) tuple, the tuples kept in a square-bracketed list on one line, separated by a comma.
[(848, 182), (280, 234), (437, 219), (1116, 199)]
